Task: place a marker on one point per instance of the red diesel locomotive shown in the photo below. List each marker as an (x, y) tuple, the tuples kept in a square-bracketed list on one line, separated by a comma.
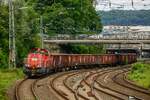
[(40, 61)]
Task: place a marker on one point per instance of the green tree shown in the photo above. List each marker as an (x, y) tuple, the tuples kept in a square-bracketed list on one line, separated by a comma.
[(3, 36), (83, 49), (27, 29), (69, 16)]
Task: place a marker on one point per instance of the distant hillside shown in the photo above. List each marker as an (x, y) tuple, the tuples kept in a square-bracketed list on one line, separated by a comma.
[(120, 17)]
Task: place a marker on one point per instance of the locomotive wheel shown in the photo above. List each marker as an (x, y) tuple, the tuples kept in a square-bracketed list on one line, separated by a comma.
[(67, 68), (75, 67), (29, 75), (56, 70), (63, 69), (47, 71), (86, 66), (59, 69)]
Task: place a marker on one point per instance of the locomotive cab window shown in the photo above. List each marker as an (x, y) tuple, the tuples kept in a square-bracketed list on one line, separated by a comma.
[(40, 51), (44, 52)]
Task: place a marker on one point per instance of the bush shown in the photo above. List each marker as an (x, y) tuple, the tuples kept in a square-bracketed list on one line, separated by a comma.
[(3, 60), (82, 49), (140, 74), (7, 77)]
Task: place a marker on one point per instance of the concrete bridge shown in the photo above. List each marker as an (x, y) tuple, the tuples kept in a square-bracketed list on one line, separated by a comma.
[(112, 46), (97, 41)]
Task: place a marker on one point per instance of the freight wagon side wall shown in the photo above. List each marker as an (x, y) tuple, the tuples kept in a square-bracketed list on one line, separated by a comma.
[(108, 59), (127, 58), (59, 61)]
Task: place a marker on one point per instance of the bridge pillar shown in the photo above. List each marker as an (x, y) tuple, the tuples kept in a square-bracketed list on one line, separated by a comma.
[(141, 50), (119, 46)]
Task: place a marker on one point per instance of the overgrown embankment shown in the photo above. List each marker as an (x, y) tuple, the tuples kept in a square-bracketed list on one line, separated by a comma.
[(141, 74), (7, 77)]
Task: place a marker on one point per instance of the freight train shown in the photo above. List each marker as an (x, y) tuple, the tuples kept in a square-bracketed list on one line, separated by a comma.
[(40, 61)]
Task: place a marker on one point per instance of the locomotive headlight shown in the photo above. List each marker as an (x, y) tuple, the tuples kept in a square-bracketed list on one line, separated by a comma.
[(38, 66), (27, 65), (34, 59)]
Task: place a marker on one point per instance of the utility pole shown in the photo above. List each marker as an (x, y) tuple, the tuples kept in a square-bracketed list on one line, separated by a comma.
[(12, 46), (109, 4), (41, 31)]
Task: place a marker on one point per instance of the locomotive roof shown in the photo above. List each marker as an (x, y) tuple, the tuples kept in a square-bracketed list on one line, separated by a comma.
[(39, 49)]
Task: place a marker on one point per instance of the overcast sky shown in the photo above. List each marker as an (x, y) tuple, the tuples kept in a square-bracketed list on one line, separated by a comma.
[(123, 4)]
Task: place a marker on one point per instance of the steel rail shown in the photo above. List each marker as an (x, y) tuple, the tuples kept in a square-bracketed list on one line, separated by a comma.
[(135, 87), (131, 83), (17, 97), (55, 89), (18, 86), (99, 74), (120, 98), (115, 96), (75, 92)]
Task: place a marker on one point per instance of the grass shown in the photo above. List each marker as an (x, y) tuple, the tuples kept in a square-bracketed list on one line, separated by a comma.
[(140, 74), (7, 77)]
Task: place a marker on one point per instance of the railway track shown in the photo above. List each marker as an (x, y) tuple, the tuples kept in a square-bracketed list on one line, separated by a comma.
[(120, 89), (121, 80), (17, 97), (20, 87), (110, 94), (90, 81), (95, 84), (74, 90), (57, 85), (133, 84), (84, 82), (83, 90), (33, 89)]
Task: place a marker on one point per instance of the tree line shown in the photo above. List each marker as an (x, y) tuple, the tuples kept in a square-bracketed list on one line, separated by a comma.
[(125, 17)]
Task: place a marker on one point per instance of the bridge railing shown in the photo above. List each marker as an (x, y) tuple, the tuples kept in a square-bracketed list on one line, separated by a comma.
[(96, 37)]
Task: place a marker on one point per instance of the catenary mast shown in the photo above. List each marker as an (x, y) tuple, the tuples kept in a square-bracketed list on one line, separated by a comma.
[(12, 46)]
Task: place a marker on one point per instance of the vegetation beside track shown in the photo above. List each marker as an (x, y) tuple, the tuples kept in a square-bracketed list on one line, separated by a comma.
[(7, 77), (141, 74)]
